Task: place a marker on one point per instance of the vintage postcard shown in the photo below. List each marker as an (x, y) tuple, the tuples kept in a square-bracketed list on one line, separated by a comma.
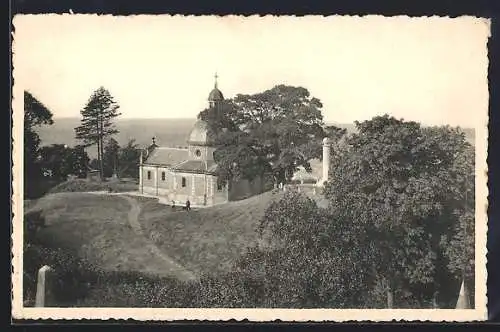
[(278, 167)]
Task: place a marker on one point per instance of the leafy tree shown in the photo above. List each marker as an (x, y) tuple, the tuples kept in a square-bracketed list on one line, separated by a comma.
[(224, 116), (61, 161), (304, 258), (129, 160), (335, 133), (275, 131), (79, 161), (111, 157), (36, 114), (459, 244), (97, 122), (399, 186), (123, 161)]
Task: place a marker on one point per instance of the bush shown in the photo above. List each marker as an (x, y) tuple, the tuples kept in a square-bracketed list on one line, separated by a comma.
[(82, 185), (73, 276), (231, 290), (79, 283), (33, 221), (37, 188), (135, 289)]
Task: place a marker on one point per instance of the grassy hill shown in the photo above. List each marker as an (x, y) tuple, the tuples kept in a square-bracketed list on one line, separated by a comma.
[(96, 227), (207, 240)]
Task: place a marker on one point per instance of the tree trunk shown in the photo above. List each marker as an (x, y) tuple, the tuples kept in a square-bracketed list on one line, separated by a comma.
[(100, 136), (99, 151), (390, 298)]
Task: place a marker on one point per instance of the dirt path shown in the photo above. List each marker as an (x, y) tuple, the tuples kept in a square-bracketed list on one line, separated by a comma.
[(133, 218)]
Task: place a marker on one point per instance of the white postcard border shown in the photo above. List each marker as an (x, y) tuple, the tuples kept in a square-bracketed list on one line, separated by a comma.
[(168, 314)]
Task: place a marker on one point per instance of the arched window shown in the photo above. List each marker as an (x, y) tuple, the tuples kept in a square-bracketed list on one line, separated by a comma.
[(197, 153), (149, 175), (183, 181)]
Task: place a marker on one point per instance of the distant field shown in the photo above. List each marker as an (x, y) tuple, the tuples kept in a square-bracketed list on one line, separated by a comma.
[(168, 132)]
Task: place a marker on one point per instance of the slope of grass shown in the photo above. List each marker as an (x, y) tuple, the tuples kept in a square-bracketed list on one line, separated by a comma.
[(207, 240), (96, 228)]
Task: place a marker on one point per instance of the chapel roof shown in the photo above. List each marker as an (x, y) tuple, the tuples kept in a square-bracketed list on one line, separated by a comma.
[(166, 156), (196, 166), (215, 95), (201, 134)]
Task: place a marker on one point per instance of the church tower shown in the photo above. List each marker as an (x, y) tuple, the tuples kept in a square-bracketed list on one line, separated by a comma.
[(215, 98)]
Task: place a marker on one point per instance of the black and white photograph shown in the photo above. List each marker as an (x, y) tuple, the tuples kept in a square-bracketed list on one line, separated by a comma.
[(228, 167)]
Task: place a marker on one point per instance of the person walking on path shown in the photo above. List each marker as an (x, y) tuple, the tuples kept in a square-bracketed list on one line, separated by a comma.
[(188, 205)]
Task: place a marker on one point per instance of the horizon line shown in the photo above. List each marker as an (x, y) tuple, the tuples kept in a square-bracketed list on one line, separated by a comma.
[(325, 122)]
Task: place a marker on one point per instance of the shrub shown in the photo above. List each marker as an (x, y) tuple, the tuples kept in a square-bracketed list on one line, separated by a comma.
[(39, 187), (78, 283), (135, 289), (82, 185), (33, 221), (73, 276), (231, 290)]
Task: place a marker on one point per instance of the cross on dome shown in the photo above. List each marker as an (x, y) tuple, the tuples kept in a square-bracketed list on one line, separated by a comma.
[(215, 95)]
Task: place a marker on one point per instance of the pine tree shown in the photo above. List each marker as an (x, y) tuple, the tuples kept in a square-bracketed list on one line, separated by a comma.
[(97, 122)]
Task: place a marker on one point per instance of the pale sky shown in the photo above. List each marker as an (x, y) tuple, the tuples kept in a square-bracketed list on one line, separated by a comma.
[(432, 70)]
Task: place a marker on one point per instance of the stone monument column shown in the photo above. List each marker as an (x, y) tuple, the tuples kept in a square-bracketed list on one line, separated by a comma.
[(326, 160), (140, 173), (44, 292)]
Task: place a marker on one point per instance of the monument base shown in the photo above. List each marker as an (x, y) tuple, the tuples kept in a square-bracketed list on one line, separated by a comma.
[(321, 183)]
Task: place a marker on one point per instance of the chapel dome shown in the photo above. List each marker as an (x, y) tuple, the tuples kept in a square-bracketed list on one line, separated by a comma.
[(215, 95), (201, 134)]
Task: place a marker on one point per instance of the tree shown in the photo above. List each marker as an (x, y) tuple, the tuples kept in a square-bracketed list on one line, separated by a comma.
[(396, 183), (305, 259), (275, 131), (110, 157), (79, 161), (36, 114), (129, 160), (335, 133), (459, 244), (61, 161), (97, 122)]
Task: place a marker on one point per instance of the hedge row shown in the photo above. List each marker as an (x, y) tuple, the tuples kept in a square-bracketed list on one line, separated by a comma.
[(79, 283), (82, 185)]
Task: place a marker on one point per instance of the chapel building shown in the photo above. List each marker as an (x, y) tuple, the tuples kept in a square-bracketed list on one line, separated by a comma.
[(176, 175)]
